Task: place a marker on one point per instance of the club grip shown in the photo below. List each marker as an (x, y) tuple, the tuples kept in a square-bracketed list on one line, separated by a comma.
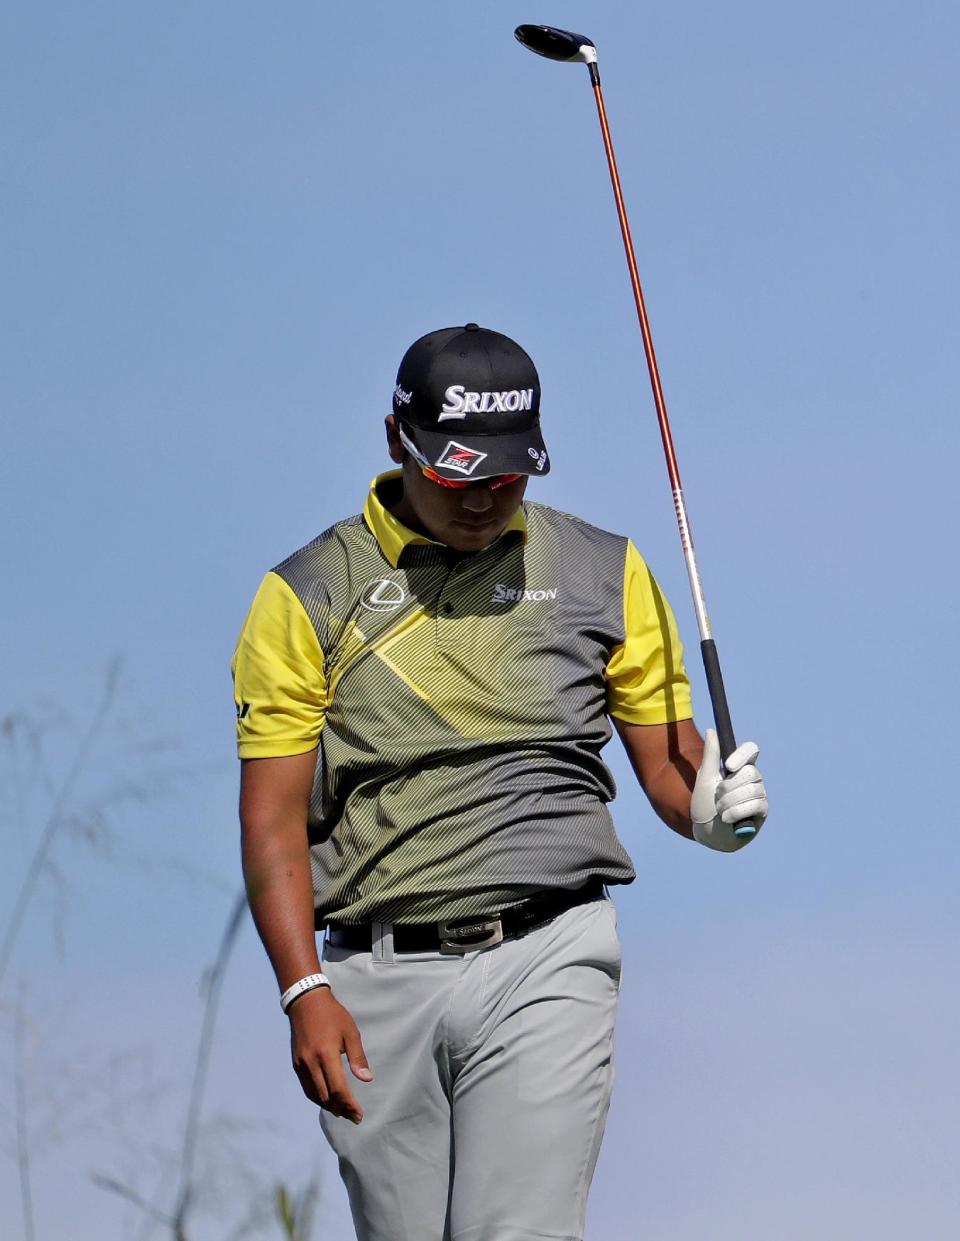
[(721, 716)]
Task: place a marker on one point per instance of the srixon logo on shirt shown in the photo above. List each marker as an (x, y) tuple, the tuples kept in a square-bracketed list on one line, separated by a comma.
[(457, 402), (511, 594)]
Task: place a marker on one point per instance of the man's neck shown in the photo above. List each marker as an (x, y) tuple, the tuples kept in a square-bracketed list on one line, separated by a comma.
[(394, 500)]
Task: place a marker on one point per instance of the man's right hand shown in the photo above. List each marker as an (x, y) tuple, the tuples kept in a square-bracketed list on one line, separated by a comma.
[(322, 1032)]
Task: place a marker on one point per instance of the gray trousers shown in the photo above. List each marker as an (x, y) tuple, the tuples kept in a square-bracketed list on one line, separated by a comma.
[(492, 1077)]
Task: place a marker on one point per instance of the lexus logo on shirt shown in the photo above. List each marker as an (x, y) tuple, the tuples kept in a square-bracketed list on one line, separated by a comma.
[(382, 594)]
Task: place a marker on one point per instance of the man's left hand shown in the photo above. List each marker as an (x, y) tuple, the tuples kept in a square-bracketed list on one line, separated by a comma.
[(720, 802)]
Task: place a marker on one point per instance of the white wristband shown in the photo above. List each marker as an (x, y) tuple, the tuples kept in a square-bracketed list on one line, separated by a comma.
[(310, 983)]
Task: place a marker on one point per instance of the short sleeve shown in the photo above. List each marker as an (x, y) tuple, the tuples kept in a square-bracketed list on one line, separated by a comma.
[(278, 676), (646, 681)]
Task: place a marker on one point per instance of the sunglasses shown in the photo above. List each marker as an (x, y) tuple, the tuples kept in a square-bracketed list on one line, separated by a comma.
[(458, 484)]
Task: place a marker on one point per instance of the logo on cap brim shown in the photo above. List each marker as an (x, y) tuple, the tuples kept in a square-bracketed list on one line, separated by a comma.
[(460, 458)]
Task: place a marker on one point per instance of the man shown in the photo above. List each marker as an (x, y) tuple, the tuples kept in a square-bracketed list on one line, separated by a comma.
[(422, 696)]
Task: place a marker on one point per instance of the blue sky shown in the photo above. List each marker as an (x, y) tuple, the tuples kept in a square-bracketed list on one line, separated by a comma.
[(223, 225)]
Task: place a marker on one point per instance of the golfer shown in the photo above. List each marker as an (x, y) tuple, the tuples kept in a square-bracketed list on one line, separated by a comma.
[(423, 693)]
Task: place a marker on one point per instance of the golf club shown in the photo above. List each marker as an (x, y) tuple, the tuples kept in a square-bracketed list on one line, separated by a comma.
[(566, 46)]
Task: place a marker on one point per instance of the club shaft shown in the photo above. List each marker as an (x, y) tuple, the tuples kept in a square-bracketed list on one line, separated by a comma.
[(708, 649), (673, 470)]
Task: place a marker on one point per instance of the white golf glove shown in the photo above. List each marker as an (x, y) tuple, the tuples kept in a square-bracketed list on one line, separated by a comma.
[(720, 802)]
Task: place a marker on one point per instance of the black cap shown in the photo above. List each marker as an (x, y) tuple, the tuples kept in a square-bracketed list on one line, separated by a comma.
[(468, 400)]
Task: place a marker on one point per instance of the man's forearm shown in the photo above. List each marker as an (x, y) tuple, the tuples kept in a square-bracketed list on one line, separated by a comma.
[(276, 870), (274, 799), (666, 758), (669, 791)]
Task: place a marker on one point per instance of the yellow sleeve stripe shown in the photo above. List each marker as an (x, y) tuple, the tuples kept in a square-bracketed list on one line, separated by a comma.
[(646, 680), (278, 675)]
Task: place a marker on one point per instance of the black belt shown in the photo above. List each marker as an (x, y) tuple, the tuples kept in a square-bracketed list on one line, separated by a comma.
[(468, 934)]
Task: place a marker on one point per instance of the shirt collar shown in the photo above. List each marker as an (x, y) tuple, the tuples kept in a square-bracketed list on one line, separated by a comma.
[(393, 536)]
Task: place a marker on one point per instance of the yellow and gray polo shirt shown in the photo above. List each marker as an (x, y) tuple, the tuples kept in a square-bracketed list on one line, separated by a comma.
[(459, 704)]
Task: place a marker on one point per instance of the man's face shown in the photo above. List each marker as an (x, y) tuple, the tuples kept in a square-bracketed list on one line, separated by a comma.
[(467, 519)]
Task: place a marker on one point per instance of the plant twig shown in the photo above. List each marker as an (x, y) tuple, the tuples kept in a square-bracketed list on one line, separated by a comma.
[(214, 983), (113, 1186), (55, 819), (23, 1138)]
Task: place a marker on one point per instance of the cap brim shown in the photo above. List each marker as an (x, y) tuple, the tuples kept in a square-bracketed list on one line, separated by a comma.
[(482, 456)]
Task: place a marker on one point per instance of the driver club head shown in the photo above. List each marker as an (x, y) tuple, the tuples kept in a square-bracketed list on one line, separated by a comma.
[(557, 44)]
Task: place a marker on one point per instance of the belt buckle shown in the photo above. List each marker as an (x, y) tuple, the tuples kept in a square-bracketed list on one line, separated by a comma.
[(450, 932)]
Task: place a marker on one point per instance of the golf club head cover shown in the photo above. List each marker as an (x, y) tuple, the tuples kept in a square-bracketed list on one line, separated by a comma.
[(720, 802)]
